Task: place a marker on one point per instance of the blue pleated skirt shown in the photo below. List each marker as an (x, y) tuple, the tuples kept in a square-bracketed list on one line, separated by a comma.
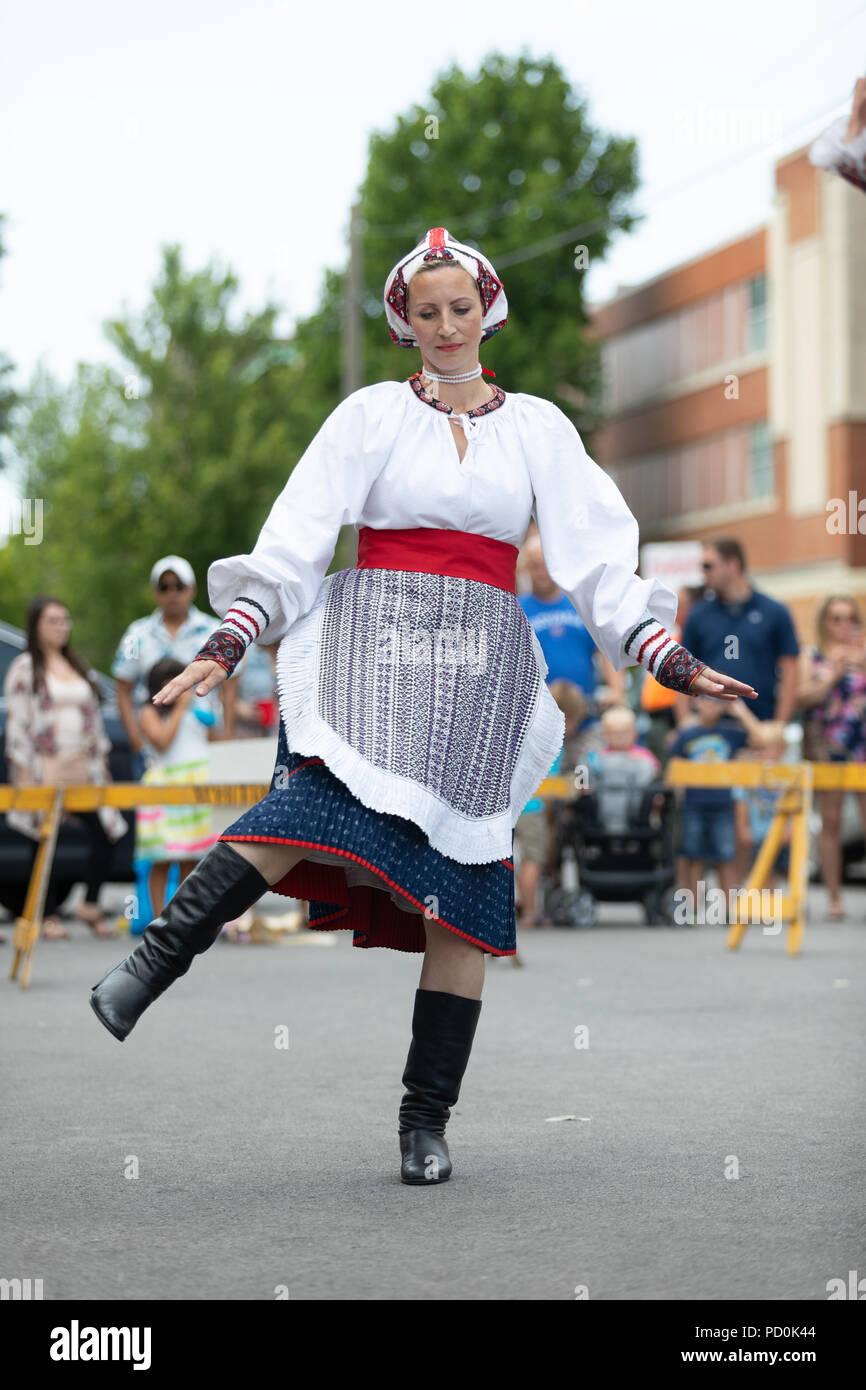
[(371, 872)]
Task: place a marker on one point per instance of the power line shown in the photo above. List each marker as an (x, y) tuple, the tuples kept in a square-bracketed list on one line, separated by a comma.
[(665, 195), (557, 239), (807, 46)]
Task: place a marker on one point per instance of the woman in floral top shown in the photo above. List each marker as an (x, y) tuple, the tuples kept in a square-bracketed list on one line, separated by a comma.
[(53, 714), (833, 694)]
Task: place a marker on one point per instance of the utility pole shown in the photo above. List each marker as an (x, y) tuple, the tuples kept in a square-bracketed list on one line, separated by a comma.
[(352, 366)]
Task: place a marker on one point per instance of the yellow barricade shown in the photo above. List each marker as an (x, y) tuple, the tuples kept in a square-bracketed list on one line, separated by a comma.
[(125, 796), (795, 782)]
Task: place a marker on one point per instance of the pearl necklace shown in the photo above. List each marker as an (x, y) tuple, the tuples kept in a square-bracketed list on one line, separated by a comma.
[(464, 376)]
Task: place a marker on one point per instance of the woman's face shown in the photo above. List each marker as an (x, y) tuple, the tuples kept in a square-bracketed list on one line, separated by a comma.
[(444, 308), (841, 622), (52, 630)]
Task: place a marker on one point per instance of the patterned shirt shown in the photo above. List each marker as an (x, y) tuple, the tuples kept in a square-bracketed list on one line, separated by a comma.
[(147, 640), (842, 712)]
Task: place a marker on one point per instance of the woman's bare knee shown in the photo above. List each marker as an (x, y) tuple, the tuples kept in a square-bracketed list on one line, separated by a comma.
[(451, 964), (440, 938), (272, 861)]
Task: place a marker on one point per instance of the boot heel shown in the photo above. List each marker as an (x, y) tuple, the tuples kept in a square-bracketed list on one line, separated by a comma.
[(426, 1160)]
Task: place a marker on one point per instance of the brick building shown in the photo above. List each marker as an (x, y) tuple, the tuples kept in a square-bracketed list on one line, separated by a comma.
[(736, 393)]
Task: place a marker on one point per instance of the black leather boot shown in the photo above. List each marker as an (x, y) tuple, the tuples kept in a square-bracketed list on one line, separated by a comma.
[(443, 1028), (221, 886)]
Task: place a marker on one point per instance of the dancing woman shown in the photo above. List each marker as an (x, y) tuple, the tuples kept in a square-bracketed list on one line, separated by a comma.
[(415, 722)]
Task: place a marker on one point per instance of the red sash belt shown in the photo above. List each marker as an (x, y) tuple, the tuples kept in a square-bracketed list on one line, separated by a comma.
[(433, 551)]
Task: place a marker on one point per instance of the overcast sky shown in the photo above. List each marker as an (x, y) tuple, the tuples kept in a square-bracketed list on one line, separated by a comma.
[(240, 131)]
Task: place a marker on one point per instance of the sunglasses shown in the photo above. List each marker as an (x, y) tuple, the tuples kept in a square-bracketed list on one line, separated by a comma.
[(171, 588)]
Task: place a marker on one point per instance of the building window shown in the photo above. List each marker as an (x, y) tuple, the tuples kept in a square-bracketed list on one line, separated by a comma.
[(756, 334), (648, 359), (761, 479)]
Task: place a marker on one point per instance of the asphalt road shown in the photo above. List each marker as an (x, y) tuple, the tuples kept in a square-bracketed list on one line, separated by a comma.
[(715, 1148)]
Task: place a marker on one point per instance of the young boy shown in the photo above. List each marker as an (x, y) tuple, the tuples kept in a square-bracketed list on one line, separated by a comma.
[(707, 813)]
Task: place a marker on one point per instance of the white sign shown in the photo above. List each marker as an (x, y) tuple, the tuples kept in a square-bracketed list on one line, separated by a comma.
[(675, 563)]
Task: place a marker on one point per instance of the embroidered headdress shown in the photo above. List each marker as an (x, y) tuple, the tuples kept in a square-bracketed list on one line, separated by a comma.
[(439, 245)]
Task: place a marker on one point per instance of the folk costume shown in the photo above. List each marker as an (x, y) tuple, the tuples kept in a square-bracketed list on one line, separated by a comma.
[(833, 152), (415, 721)]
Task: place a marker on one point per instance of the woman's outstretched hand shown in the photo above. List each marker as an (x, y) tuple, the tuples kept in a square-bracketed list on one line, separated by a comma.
[(720, 687), (204, 675)]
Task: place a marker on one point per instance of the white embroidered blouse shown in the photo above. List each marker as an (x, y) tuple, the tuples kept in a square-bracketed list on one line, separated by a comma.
[(387, 459)]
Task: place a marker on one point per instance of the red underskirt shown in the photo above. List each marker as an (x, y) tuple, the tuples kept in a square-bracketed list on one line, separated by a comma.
[(362, 909)]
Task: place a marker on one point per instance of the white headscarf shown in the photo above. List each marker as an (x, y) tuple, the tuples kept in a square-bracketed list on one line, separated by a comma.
[(438, 244)]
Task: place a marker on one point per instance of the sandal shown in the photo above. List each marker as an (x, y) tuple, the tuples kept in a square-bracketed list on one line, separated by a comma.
[(53, 929), (836, 913), (102, 928), (92, 915)]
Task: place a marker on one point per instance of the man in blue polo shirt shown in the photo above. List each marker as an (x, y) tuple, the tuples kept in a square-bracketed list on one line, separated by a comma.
[(568, 647), (744, 633)]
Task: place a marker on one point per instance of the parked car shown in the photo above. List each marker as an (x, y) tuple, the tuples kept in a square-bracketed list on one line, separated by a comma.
[(70, 860)]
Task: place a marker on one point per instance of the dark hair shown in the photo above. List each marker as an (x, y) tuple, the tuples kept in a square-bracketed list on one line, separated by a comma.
[(161, 672), (729, 549), (35, 609)]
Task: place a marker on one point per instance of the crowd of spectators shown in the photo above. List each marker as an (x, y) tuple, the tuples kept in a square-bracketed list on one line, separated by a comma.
[(55, 732), (811, 703)]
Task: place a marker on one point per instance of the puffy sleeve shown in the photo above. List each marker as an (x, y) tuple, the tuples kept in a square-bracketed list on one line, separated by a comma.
[(589, 536), (845, 157), (327, 489)]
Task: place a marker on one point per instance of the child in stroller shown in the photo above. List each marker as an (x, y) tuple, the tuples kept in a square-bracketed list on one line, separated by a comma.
[(614, 842)]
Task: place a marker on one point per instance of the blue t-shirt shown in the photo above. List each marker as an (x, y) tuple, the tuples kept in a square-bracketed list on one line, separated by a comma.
[(565, 640), (714, 744), (761, 802), (764, 632)]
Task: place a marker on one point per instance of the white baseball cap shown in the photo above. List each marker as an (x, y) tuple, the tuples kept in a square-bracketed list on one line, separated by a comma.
[(182, 568)]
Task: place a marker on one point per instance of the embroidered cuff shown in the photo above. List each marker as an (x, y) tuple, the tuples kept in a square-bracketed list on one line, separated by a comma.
[(242, 624), (652, 647), (680, 670)]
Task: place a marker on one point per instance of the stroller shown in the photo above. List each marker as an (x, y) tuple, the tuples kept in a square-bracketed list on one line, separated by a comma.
[(614, 843)]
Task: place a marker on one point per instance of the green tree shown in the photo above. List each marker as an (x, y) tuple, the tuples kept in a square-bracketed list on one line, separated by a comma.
[(8, 396), (506, 159), (184, 452)]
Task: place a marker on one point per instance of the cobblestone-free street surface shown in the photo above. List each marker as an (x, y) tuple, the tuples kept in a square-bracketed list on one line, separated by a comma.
[(261, 1166)]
